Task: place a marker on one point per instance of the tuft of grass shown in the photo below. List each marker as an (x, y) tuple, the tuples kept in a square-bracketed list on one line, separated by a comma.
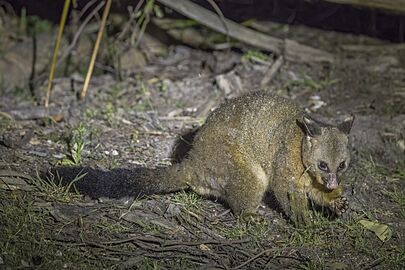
[(110, 111), (189, 200), (91, 113), (55, 189)]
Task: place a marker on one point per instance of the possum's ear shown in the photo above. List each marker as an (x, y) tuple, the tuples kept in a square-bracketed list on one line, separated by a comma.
[(346, 125), (309, 126)]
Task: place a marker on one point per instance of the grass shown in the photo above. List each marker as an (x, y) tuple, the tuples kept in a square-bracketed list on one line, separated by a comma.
[(323, 244), (189, 200), (5, 122), (55, 189), (112, 227), (392, 178), (255, 56), (397, 196), (257, 230), (26, 241), (313, 234), (148, 264), (148, 227), (308, 82), (313, 264), (110, 111)]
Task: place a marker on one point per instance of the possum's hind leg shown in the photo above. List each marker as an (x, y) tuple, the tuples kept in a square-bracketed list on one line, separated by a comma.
[(246, 186)]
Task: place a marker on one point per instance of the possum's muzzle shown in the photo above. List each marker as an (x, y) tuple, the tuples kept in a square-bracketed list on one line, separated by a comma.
[(331, 181)]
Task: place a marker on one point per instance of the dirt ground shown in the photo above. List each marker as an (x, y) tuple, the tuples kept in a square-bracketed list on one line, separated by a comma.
[(136, 119)]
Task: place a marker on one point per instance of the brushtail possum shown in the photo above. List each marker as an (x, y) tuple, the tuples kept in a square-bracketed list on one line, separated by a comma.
[(248, 146)]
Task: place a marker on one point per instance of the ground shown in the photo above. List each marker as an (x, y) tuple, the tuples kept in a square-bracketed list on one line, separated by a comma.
[(134, 120)]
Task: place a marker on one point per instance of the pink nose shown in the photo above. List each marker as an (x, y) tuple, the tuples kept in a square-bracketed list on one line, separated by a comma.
[(332, 182)]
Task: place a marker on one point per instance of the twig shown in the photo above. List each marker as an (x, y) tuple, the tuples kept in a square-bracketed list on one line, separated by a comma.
[(251, 37), (203, 229), (222, 17), (394, 6), (8, 8), (143, 22), (6, 115), (56, 49), (373, 263), (252, 259), (272, 71), (79, 32), (86, 7), (14, 174), (172, 243), (30, 113), (96, 47), (132, 17)]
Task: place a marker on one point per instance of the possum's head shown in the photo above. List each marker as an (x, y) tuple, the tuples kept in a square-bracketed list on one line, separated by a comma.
[(325, 150)]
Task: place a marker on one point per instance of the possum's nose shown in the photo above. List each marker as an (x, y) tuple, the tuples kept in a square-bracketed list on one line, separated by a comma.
[(332, 182)]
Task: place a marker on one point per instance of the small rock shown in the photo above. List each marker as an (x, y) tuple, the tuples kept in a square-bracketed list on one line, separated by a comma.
[(316, 103), (230, 84), (401, 144)]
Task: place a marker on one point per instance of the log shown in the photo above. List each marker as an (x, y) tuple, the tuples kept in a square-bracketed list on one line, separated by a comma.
[(289, 48), (392, 6)]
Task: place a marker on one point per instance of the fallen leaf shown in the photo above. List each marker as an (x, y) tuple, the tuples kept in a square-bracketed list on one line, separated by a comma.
[(382, 231), (204, 247)]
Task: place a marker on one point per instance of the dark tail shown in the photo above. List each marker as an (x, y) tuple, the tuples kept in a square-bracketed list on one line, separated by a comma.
[(119, 183)]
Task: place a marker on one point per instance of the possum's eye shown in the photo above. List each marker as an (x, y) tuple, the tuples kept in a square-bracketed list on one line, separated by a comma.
[(342, 166), (323, 166)]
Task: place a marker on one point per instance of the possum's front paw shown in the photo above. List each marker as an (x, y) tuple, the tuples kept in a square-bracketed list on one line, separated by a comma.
[(340, 205)]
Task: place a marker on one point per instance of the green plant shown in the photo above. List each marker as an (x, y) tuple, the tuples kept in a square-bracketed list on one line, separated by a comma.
[(76, 146), (308, 81), (109, 114), (255, 56)]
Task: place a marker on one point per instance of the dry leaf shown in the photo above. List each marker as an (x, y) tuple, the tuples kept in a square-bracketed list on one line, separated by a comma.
[(204, 247), (382, 231)]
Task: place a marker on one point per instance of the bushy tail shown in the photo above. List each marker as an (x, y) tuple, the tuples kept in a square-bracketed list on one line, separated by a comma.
[(118, 183)]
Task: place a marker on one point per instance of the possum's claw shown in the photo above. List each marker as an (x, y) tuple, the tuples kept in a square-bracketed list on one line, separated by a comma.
[(340, 205)]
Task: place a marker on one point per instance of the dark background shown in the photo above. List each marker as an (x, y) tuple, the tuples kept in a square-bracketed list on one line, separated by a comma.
[(320, 14)]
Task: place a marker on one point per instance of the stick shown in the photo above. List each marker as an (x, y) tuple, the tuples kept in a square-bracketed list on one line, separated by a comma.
[(30, 113), (56, 49), (272, 71), (252, 259), (246, 35), (78, 33), (394, 6), (96, 47)]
